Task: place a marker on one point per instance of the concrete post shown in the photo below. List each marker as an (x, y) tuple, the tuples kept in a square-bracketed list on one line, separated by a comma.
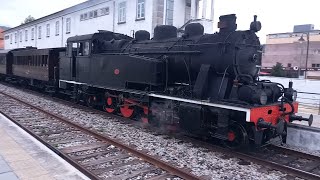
[(204, 9), (193, 9), (212, 9)]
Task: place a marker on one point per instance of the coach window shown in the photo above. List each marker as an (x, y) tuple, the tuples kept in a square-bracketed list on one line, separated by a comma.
[(46, 61), (69, 50), (41, 60), (86, 49), (36, 62)]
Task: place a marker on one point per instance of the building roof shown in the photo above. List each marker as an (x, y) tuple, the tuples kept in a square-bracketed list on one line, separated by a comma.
[(313, 31), (4, 28), (63, 12), (102, 35)]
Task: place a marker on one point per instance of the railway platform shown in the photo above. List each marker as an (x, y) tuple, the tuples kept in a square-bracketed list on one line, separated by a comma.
[(23, 158)]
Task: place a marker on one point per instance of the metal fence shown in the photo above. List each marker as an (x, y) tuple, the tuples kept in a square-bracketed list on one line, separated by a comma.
[(309, 102)]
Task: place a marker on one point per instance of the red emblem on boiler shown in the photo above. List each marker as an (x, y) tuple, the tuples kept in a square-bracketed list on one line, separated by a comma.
[(116, 71)]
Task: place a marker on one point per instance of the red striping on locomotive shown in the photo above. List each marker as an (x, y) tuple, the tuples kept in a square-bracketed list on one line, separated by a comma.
[(271, 113)]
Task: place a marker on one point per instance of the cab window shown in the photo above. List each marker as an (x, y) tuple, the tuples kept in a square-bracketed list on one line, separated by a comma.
[(83, 48)]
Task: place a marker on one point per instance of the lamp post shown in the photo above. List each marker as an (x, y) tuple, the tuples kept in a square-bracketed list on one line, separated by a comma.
[(301, 40), (307, 56)]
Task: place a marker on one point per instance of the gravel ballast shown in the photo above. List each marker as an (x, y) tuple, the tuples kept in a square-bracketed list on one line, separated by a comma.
[(201, 161)]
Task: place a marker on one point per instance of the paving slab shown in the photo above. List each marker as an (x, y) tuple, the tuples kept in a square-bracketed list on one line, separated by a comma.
[(304, 136), (22, 157), (4, 167), (8, 176)]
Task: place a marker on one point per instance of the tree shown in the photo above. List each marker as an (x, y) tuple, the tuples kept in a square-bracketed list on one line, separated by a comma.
[(277, 70), (28, 19)]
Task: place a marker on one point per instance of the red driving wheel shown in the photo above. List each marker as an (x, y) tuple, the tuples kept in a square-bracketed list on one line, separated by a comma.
[(127, 110), (110, 105)]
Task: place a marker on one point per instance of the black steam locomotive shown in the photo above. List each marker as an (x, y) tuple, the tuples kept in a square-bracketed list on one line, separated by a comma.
[(203, 84)]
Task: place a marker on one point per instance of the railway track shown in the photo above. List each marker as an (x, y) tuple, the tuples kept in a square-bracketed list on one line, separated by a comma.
[(97, 156), (294, 163)]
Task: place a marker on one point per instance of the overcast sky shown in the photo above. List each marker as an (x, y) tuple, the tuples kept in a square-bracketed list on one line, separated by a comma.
[(275, 15)]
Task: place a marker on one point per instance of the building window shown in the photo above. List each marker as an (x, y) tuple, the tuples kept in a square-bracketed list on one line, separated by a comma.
[(6, 37), (32, 33), (91, 14), (20, 35), (26, 35), (39, 32), (48, 30), (10, 38), (122, 12), (95, 13), (104, 11), (15, 37), (85, 16), (140, 9), (57, 28), (169, 12), (68, 25), (289, 64), (81, 17)]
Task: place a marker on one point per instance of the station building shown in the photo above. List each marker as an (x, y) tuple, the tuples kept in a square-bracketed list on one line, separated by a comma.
[(121, 16), (292, 51)]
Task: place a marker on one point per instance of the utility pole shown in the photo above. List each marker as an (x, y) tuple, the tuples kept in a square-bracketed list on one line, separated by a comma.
[(307, 56), (301, 46)]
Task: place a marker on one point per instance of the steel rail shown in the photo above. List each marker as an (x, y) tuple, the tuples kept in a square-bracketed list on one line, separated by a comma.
[(258, 160), (157, 162), (294, 152), (277, 166)]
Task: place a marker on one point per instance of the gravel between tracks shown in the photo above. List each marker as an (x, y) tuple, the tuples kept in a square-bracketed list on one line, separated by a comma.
[(201, 161)]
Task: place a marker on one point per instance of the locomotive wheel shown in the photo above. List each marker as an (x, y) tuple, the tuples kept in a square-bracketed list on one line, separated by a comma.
[(127, 110), (110, 105), (90, 101), (237, 137)]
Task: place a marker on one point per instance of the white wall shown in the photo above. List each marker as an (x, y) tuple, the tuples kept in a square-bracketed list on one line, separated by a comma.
[(179, 13), (78, 27), (89, 26), (52, 40), (107, 22), (131, 22)]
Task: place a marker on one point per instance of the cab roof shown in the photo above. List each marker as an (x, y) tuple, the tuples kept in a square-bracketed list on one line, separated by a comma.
[(101, 35)]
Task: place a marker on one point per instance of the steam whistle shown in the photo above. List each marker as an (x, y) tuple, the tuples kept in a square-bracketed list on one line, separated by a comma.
[(278, 127), (300, 118), (255, 26)]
